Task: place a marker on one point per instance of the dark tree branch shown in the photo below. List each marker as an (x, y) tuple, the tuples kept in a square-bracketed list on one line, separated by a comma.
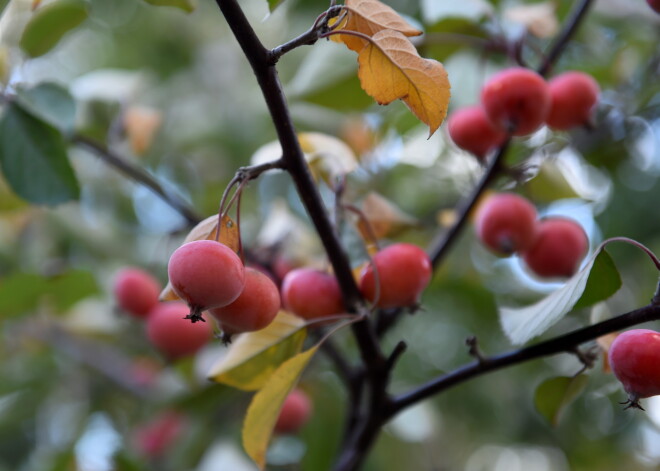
[(566, 343), (561, 41), (140, 175), (264, 69)]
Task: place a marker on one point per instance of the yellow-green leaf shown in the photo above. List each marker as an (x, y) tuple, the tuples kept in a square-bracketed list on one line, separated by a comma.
[(391, 68), (206, 230), (186, 5), (266, 404), (49, 24), (369, 17), (254, 356)]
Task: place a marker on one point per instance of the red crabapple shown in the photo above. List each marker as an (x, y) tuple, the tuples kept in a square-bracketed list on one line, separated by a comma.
[(311, 294), (403, 271), (172, 334), (573, 97), (471, 130), (559, 246), (155, 437), (206, 274), (295, 412), (506, 223), (634, 357), (254, 309), (654, 4), (136, 291), (516, 100)]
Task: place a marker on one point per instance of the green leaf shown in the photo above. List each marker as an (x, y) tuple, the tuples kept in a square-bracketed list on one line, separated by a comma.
[(272, 4), (266, 404), (34, 160), (186, 5), (68, 288), (51, 103), (522, 324), (21, 292), (254, 356), (50, 23), (554, 395)]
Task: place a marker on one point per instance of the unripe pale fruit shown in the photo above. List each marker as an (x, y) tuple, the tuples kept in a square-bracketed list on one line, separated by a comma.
[(634, 357), (516, 100), (206, 274), (136, 291), (559, 246), (471, 130), (172, 334), (311, 294), (254, 309), (573, 97), (654, 4), (404, 271), (506, 223), (295, 412)]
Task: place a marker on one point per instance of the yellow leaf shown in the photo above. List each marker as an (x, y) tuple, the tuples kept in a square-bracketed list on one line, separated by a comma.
[(384, 217), (206, 230), (254, 356), (391, 69), (327, 156), (141, 124), (369, 17), (266, 404)]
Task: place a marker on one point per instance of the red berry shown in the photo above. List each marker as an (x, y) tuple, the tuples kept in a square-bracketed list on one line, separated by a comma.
[(573, 97), (654, 4), (559, 246), (404, 270), (254, 309), (206, 274), (155, 437), (295, 412), (516, 100), (471, 130), (634, 357), (136, 291), (506, 223), (311, 294), (172, 334)]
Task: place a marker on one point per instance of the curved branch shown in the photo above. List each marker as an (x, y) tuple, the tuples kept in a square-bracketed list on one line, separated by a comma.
[(564, 343), (141, 176)]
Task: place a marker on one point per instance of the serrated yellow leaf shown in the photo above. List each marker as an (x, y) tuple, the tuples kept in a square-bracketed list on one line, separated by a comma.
[(266, 404), (384, 218), (206, 230), (391, 68), (369, 17), (254, 356)]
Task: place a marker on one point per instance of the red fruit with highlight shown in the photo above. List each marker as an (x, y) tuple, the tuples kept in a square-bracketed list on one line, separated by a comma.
[(559, 246), (172, 334), (635, 358), (254, 309), (573, 97), (516, 100), (206, 274), (136, 291), (295, 412), (403, 272), (506, 223), (471, 130), (311, 294)]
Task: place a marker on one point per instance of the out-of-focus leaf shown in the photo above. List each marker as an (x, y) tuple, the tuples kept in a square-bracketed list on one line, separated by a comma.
[(206, 230), (391, 69), (549, 184), (186, 5), (51, 103), (384, 217), (605, 342), (34, 160), (123, 462), (21, 292), (272, 4), (64, 461), (586, 287), (50, 23), (369, 17), (254, 356), (554, 395), (67, 289), (266, 404), (434, 10), (540, 19), (141, 124)]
